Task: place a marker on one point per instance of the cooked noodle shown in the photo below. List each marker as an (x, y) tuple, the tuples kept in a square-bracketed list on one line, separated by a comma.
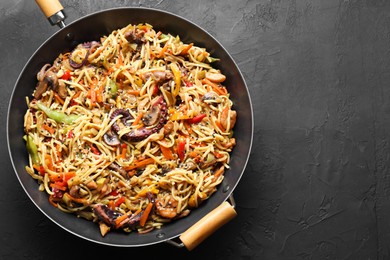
[(130, 132)]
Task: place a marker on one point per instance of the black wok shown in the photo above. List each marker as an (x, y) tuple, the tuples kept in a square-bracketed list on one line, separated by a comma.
[(91, 27)]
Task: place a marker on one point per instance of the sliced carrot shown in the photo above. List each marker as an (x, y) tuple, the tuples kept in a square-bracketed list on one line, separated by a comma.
[(49, 162), (69, 175), (83, 201), (219, 125), (145, 215), (58, 152), (93, 96), (111, 204), (124, 151), (193, 154), (119, 61), (218, 89), (219, 172), (99, 94), (57, 186), (48, 128), (167, 152), (185, 50), (163, 50), (58, 98), (134, 92), (139, 164), (137, 119), (120, 219)]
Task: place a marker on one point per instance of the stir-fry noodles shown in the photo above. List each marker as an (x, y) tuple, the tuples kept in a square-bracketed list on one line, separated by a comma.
[(132, 131)]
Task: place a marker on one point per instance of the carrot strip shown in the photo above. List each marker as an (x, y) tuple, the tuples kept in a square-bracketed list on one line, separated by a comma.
[(49, 162), (134, 92), (120, 219), (185, 50), (77, 200), (48, 128), (167, 152), (219, 125), (163, 50), (58, 153), (145, 215), (137, 119), (93, 96), (111, 204), (59, 187), (124, 150), (193, 154), (219, 172), (99, 94), (139, 164), (119, 61), (58, 98), (219, 90)]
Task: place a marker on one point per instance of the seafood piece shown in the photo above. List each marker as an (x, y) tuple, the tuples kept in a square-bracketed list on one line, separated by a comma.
[(48, 78), (228, 119), (158, 113), (166, 208), (76, 60), (215, 77), (111, 138), (106, 214), (159, 76), (135, 36), (117, 168), (109, 216)]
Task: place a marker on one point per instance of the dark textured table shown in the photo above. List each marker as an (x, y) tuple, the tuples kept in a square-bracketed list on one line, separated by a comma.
[(317, 185)]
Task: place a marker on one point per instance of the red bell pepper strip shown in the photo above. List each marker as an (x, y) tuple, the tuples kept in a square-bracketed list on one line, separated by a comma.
[(66, 75), (119, 201), (181, 150), (196, 119), (94, 149)]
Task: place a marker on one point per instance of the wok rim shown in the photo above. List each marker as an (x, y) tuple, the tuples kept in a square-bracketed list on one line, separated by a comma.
[(80, 20)]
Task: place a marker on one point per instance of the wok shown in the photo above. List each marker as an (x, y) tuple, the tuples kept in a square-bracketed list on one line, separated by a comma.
[(214, 212)]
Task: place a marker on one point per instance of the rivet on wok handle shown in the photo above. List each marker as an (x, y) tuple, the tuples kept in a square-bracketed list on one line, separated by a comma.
[(202, 229), (53, 11)]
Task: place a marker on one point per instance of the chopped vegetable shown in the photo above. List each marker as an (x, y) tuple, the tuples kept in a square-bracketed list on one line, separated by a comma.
[(57, 116), (113, 88), (219, 172), (167, 152), (66, 75), (196, 119), (119, 201), (139, 164), (145, 215), (178, 115), (181, 150), (32, 150), (177, 79)]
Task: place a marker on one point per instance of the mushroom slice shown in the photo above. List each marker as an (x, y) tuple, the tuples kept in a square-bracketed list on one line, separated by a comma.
[(111, 138), (152, 116)]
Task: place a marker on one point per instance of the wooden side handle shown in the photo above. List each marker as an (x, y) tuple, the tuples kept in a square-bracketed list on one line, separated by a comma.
[(49, 7), (215, 219)]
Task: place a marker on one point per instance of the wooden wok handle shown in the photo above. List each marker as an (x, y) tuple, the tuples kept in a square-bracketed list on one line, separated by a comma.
[(49, 7), (208, 225), (53, 10)]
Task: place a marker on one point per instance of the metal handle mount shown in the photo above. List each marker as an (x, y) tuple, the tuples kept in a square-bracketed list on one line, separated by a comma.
[(53, 10), (202, 229)]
